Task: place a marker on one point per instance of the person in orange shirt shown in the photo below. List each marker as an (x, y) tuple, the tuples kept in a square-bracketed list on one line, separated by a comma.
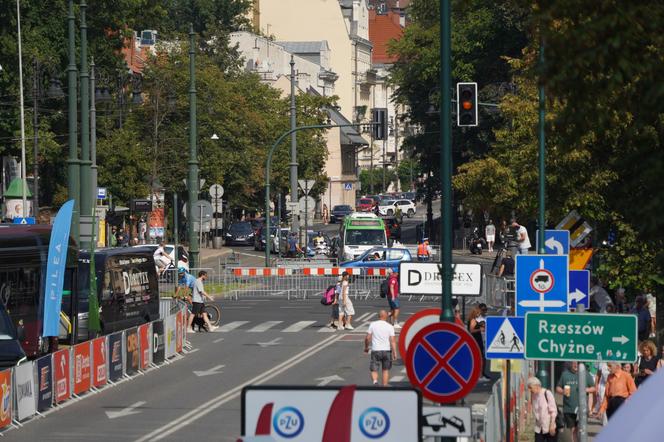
[(619, 386)]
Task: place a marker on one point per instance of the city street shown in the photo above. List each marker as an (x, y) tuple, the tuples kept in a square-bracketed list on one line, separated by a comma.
[(261, 342)]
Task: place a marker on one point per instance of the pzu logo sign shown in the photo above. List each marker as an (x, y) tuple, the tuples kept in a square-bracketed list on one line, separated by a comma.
[(288, 422), (374, 423)]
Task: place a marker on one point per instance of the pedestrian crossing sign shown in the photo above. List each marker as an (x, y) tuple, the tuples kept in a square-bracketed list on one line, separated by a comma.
[(505, 337)]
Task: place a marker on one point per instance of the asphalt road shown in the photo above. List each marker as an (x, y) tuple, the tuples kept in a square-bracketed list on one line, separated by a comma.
[(263, 341)]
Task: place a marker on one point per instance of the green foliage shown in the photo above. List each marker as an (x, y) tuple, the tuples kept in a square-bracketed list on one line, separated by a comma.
[(367, 176), (408, 169)]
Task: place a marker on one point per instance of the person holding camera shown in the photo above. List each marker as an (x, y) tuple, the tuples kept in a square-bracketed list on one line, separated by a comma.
[(522, 238)]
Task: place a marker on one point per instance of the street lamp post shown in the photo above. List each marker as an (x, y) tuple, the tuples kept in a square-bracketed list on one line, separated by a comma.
[(293, 152), (85, 171), (192, 176), (24, 190), (72, 160)]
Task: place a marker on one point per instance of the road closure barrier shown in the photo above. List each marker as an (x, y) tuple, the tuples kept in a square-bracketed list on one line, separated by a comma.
[(41, 385)]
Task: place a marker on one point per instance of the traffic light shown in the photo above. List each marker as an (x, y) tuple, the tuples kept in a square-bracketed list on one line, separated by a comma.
[(467, 104), (379, 130)]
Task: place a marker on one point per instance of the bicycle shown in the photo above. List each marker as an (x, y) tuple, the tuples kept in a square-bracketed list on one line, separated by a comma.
[(213, 312)]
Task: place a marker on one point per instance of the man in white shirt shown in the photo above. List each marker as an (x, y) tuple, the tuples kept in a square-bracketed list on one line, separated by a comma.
[(521, 237), (161, 259), (380, 340)]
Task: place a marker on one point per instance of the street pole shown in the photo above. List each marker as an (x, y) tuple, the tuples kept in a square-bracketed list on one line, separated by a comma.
[(507, 396), (192, 176), (542, 374), (445, 160), (24, 181), (175, 226), (35, 130), (93, 131), (295, 224), (72, 160), (583, 396), (86, 193)]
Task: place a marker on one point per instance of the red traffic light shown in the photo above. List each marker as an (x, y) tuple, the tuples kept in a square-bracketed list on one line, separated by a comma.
[(467, 105)]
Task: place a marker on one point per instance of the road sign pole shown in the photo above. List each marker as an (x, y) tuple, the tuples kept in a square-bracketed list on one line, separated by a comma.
[(508, 375), (583, 404)]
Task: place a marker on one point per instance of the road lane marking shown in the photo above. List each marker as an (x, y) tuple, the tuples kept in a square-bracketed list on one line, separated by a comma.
[(264, 326), (362, 317), (298, 326), (128, 411), (396, 379), (216, 341), (216, 402), (231, 326)]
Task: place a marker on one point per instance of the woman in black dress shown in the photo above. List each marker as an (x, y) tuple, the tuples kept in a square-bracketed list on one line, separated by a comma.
[(648, 361)]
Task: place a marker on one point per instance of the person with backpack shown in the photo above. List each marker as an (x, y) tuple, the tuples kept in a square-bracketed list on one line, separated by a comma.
[(545, 411), (331, 298)]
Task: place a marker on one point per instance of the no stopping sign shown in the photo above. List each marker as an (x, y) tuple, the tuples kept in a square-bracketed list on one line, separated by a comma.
[(413, 325)]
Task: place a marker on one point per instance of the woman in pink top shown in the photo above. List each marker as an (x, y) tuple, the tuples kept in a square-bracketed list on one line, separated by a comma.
[(544, 410)]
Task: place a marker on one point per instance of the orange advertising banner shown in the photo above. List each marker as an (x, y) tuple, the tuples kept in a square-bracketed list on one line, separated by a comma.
[(144, 345), (179, 331), (61, 375), (99, 362), (81, 368), (6, 404)]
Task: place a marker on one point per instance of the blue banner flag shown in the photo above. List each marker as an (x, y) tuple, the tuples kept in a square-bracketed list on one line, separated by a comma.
[(55, 269)]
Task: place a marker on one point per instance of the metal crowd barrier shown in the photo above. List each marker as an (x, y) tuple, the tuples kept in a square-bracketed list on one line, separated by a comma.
[(499, 293), (33, 388)]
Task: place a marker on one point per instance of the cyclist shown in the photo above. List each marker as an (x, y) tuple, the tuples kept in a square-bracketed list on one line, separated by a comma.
[(198, 301)]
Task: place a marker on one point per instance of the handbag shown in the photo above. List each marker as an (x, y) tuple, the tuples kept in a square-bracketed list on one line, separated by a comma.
[(560, 422)]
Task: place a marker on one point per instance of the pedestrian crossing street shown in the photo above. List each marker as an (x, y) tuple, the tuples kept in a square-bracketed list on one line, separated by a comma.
[(361, 324)]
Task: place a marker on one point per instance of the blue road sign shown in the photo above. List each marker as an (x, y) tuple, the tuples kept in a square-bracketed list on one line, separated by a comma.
[(505, 338), (348, 186), (579, 288), (444, 362), (101, 193), (541, 283), (28, 220), (556, 242)]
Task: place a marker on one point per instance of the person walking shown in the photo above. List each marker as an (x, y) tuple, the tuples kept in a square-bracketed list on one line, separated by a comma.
[(647, 362), (544, 411), (490, 234), (346, 310), (380, 341), (326, 215), (335, 323), (522, 238), (393, 297), (424, 250), (476, 326), (568, 387), (643, 317), (601, 378), (619, 386), (198, 297)]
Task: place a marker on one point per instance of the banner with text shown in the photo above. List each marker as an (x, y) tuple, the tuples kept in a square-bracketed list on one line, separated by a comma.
[(169, 326), (6, 400), (61, 375), (45, 378), (115, 356), (24, 381), (144, 345), (132, 353), (99, 358), (158, 342), (81, 368)]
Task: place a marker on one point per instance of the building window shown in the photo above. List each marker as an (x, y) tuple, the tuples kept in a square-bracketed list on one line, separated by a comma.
[(348, 160)]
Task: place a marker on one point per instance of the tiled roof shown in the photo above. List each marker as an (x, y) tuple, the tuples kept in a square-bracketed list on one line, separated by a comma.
[(303, 47), (382, 29)]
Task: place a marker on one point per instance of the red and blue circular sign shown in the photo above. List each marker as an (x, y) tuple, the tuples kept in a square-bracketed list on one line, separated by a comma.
[(444, 362)]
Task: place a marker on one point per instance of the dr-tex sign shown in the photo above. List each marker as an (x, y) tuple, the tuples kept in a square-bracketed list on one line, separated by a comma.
[(581, 337), (424, 278), (340, 414)]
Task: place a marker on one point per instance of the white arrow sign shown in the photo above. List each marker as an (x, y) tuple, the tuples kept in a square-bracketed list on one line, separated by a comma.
[(540, 303), (552, 244), (327, 379), (275, 341), (211, 371), (576, 296), (622, 339), (126, 411)]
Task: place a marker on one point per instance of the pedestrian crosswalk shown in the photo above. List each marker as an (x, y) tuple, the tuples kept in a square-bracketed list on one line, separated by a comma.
[(361, 324)]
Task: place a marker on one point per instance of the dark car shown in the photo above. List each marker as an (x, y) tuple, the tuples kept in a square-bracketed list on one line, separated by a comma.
[(241, 233), (339, 212), (392, 227)]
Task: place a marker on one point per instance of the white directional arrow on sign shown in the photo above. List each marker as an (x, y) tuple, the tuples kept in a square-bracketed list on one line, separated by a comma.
[(576, 296), (327, 379), (275, 341), (622, 339), (552, 244), (540, 303), (211, 371), (126, 411)]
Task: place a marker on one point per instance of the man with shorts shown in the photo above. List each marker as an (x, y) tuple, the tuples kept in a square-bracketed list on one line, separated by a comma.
[(380, 340), (568, 386), (198, 296), (393, 297)]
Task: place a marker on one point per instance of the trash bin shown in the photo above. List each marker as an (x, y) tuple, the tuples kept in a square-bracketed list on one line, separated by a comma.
[(217, 242)]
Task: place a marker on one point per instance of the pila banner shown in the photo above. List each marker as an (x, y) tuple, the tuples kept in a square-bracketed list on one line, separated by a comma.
[(82, 380), (61, 377), (131, 347), (26, 406), (115, 358), (45, 383), (99, 362), (144, 345), (55, 269), (6, 399), (158, 342)]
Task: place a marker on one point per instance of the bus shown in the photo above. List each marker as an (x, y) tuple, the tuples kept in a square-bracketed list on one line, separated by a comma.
[(359, 233), (23, 258)]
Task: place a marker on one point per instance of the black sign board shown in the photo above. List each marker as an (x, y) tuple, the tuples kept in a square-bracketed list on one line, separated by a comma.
[(141, 205), (158, 345), (44, 381), (115, 356)]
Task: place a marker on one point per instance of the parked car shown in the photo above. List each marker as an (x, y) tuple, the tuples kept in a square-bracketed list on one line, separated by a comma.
[(364, 205), (381, 257), (339, 212), (241, 233), (389, 207)]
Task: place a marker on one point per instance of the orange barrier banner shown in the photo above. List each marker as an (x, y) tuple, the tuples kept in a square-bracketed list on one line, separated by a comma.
[(81, 368), (179, 331), (99, 375), (6, 400), (144, 344), (61, 375)]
